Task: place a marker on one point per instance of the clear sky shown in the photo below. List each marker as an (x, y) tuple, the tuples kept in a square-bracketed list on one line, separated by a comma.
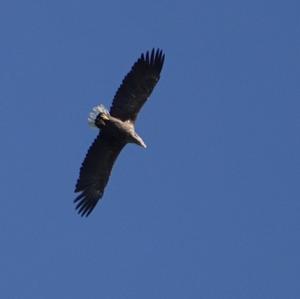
[(211, 209)]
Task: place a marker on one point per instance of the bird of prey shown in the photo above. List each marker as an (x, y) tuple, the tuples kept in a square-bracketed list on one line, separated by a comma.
[(116, 129)]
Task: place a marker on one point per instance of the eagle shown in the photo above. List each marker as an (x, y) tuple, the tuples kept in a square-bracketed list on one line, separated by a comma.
[(116, 129)]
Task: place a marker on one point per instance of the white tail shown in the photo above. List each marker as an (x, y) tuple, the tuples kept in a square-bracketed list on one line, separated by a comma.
[(94, 114)]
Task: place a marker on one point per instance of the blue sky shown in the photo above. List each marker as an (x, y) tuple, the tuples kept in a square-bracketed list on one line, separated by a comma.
[(210, 209)]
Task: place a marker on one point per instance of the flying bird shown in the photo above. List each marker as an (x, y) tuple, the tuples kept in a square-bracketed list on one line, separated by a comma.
[(116, 129)]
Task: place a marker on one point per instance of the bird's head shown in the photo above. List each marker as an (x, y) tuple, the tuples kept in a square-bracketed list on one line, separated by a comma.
[(139, 141)]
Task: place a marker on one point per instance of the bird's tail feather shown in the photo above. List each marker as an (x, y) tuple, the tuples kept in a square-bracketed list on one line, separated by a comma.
[(94, 114)]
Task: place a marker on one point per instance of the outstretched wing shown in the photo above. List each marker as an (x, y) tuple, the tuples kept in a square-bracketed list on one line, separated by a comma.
[(137, 86), (95, 172)]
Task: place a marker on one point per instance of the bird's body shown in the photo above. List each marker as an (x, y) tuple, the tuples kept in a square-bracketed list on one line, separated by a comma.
[(117, 128)]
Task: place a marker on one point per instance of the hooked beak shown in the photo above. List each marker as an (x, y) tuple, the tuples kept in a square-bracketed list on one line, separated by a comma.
[(140, 141), (143, 144)]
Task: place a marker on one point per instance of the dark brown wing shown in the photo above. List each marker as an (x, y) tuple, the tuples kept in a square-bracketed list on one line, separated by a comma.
[(137, 86), (95, 172)]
